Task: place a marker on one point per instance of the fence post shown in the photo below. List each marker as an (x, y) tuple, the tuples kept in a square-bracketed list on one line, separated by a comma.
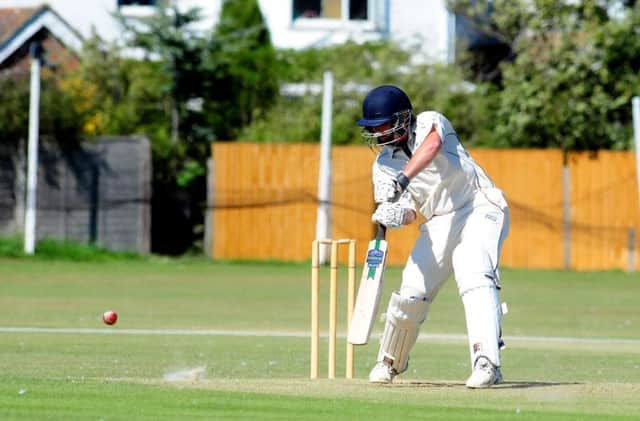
[(566, 215), (632, 249), (635, 113), (208, 219)]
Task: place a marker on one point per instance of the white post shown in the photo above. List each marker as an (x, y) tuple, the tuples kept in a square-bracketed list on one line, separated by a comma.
[(635, 111), (451, 37), (566, 214), (631, 249), (208, 219), (32, 152), (323, 222)]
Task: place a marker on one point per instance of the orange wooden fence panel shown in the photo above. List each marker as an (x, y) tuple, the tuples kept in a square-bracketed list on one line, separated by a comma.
[(264, 200), (265, 203), (604, 205)]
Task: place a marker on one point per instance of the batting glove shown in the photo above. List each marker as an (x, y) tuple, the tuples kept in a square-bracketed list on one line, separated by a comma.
[(391, 215), (390, 190)]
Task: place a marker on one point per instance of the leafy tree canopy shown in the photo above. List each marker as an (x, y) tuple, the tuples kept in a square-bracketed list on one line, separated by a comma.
[(59, 120), (574, 76), (249, 82)]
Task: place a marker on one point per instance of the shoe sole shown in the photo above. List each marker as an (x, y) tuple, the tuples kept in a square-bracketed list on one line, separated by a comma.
[(496, 381)]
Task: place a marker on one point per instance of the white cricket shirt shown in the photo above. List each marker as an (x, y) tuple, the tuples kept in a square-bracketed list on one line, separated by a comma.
[(448, 183)]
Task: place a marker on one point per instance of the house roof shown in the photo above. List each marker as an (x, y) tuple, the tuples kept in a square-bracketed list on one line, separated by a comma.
[(12, 19), (19, 25)]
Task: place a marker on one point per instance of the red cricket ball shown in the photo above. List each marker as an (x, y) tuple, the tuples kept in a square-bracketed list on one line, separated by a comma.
[(110, 317)]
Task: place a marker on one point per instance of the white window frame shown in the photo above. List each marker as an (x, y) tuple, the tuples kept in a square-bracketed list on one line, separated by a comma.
[(343, 23), (138, 10)]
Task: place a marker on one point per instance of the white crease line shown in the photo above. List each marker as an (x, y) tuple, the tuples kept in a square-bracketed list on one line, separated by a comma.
[(297, 334)]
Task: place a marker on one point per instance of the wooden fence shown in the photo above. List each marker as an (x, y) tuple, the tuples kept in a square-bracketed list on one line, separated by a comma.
[(264, 204)]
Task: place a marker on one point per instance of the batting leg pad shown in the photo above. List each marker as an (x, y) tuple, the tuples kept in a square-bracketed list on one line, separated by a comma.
[(484, 319), (403, 320)]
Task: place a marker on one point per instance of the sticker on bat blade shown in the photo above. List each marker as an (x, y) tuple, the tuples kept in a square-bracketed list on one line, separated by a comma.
[(374, 258)]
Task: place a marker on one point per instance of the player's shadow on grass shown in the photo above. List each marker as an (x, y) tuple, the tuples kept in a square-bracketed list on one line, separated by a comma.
[(505, 385), (527, 385)]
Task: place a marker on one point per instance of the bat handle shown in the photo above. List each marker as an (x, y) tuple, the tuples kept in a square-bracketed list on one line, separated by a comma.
[(382, 232)]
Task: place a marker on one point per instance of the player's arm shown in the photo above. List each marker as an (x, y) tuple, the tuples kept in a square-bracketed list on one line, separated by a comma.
[(424, 154), (422, 157), (409, 216)]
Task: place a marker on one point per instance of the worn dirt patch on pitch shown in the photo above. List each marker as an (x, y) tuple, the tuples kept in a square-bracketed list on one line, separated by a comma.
[(572, 398)]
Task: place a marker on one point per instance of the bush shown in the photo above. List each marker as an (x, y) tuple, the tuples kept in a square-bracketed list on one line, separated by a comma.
[(11, 246)]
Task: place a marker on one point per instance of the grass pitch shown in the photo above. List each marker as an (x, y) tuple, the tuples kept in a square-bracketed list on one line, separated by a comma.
[(203, 340)]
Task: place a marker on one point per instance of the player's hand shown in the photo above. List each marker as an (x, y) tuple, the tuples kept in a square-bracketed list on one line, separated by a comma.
[(391, 215), (390, 190)]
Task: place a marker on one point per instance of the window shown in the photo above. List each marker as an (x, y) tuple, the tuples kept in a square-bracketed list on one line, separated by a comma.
[(137, 8), (358, 10), (331, 9)]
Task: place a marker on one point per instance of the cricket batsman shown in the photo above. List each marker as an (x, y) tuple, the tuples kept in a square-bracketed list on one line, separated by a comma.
[(421, 166)]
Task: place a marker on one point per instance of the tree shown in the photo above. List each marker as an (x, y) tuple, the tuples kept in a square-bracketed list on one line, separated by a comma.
[(117, 95), (249, 83), (59, 120), (574, 74), (214, 83), (573, 80), (435, 87), (169, 39), (176, 50)]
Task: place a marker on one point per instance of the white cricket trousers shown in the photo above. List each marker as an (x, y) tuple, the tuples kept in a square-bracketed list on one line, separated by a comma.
[(467, 244)]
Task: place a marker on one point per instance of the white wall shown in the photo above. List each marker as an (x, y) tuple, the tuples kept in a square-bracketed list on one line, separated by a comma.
[(422, 24)]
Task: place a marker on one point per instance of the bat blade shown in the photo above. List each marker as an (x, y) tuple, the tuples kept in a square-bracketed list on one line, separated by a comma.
[(369, 291)]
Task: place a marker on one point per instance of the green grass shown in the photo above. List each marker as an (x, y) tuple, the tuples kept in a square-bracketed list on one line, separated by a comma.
[(48, 248), (120, 373)]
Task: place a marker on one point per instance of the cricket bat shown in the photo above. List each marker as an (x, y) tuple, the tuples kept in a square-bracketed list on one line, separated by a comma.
[(369, 291)]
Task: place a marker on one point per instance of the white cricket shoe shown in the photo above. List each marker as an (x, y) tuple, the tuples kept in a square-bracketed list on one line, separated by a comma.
[(382, 373), (485, 374)]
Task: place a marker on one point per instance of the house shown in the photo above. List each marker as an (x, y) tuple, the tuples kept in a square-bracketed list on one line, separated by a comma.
[(20, 27), (81, 189), (424, 25)]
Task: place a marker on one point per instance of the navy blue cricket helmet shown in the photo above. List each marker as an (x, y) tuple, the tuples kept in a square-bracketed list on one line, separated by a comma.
[(386, 104), (383, 104)]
